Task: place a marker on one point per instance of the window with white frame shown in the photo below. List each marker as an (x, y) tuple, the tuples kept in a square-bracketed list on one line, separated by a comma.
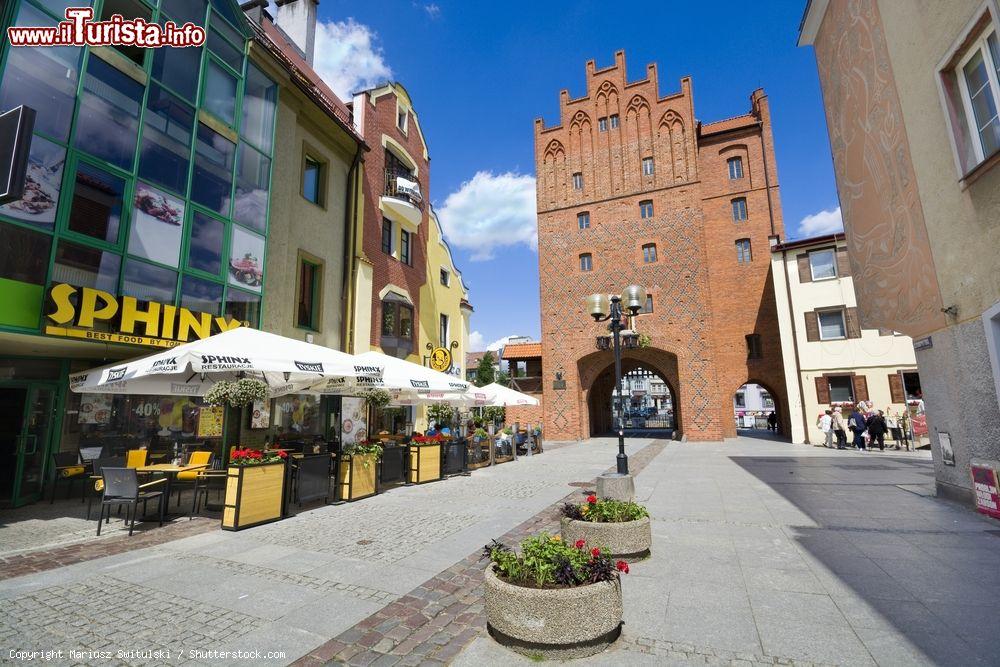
[(578, 181), (978, 75), (445, 277), (649, 253), (735, 168), (743, 251), (614, 120), (823, 264), (646, 209), (586, 262), (739, 209), (831, 324), (401, 118), (841, 388), (647, 166), (583, 220), (602, 124)]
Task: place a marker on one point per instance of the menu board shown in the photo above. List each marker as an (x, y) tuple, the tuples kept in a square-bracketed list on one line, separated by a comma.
[(354, 420), (984, 483), (210, 421), (95, 409), (260, 414)]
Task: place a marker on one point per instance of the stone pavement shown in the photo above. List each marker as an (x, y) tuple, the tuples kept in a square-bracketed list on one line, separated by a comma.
[(770, 553), (282, 589)]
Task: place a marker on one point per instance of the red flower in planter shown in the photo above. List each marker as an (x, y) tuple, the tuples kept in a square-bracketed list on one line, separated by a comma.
[(283, 454), (580, 544), (591, 499), (622, 566), (595, 552)]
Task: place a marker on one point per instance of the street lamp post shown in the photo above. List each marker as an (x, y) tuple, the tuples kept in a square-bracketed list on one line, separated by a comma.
[(608, 308)]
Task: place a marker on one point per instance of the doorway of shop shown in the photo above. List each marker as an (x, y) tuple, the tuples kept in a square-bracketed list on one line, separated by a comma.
[(27, 421)]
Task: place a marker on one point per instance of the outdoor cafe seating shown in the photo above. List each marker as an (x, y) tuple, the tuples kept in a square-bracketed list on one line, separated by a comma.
[(122, 488)]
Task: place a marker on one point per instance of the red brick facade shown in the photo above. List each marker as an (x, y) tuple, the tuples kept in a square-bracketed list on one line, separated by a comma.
[(380, 120), (705, 302)]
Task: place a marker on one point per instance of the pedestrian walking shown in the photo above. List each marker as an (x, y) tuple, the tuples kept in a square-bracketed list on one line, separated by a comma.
[(856, 424), (772, 422), (877, 428), (825, 423), (839, 428)]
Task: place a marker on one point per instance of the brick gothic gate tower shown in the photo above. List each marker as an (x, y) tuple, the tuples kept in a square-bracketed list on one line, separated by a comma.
[(633, 189)]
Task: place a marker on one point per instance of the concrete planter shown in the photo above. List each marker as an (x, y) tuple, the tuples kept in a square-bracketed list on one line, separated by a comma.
[(629, 540), (556, 623)]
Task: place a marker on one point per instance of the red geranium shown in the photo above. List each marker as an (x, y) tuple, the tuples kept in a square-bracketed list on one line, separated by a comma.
[(580, 544), (591, 499), (283, 454), (595, 552), (622, 566)]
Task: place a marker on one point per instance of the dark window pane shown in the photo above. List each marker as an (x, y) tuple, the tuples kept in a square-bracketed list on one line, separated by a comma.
[(253, 173), (166, 140), (178, 69), (129, 9), (41, 189), (58, 7), (388, 318), (308, 274), (226, 10), (213, 170), (201, 295), (387, 237), (149, 283), (86, 267), (24, 255), (311, 180), (109, 114), (243, 306), (42, 78), (405, 322), (229, 54), (97, 203), (259, 96), (207, 236), (182, 11), (220, 93)]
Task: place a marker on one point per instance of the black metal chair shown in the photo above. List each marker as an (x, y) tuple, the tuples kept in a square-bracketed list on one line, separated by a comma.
[(97, 479), (121, 487), (66, 467)]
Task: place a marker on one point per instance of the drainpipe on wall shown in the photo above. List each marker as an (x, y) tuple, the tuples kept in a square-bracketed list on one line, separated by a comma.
[(350, 256)]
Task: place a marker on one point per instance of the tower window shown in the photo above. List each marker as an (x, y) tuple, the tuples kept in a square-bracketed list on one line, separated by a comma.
[(743, 251), (602, 124), (578, 181), (646, 209), (735, 167), (614, 121), (647, 166), (649, 253), (583, 220), (739, 209), (586, 262)]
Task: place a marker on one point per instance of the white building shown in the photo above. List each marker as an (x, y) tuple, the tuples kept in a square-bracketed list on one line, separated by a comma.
[(829, 358)]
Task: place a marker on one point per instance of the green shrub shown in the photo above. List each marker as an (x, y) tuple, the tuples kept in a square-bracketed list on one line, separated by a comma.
[(546, 561), (604, 510)]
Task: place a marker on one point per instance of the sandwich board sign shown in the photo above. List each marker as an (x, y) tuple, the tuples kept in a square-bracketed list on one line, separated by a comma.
[(16, 126)]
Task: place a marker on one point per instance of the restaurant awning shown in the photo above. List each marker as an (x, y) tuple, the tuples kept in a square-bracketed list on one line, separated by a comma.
[(404, 379), (497, 394)]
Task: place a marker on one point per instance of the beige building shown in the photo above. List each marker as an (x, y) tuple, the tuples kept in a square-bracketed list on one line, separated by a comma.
[(911, 100), (829, 358)]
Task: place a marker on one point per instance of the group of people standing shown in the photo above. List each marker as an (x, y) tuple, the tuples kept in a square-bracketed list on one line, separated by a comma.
[(868, 427)]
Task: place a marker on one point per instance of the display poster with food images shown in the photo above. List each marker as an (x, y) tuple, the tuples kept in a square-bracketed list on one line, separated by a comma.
[(260, 414), (41, 185), (157, 225), (175, 415), (246, 260), (95, 409), (210, 421), (353, 420)]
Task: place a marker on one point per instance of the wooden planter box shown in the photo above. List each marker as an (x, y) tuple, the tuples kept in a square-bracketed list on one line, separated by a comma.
[(356, 476), (254, 495), (425, 463)]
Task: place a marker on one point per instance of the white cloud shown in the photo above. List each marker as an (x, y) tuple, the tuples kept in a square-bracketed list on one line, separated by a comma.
[(348, 57), (432, 10), (500, 342), (491, 211), (824, 222), (476, 342)]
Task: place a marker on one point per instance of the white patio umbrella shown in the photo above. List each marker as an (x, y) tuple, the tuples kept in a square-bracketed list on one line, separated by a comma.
[(404, 378), (285, 364), (497, 394)]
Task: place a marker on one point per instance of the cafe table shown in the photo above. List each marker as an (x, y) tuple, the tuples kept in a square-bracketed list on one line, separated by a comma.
[(170, 470)]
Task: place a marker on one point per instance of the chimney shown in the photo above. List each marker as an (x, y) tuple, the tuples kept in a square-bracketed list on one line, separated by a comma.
[(297, 19)]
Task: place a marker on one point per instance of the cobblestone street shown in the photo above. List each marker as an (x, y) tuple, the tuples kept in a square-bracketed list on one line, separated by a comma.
[(763, 553)]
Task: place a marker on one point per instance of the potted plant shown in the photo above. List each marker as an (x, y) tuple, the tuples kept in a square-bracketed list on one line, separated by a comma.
[(236, 393), (505, 448), (479, 451), (554, 599), (254, 489), (623, 527), (357, 470), (425, 458)]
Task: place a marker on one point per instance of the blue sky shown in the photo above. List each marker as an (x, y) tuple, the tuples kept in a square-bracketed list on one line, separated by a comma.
[(480, 73)]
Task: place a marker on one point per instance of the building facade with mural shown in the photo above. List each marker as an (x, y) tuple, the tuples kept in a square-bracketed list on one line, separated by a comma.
[(916, 142), (633, 188)]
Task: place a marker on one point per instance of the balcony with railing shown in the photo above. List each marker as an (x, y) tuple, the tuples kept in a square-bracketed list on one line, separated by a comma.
[(401, 199)]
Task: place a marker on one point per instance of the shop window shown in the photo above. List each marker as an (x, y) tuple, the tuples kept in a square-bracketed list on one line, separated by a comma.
[(259, 97), (43, 182), (128, 9), (841, 389), (205, 247), (97, 203), (739, 209), (201, 295), (405, 251), (42, 78), (397, 326), (243, 306), (147, 282), (182, 11), (823, 264), (178, 69), (157, 225), (312, 180), (219, 96), (253, 177), (646, 209), (84, 266), (108, 121), (298, 415), (168, 127), (213, 170), (735, 168), (309, 305)]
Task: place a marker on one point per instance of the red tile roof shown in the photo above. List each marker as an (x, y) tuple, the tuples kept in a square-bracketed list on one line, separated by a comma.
[(522, 351), (746, 120)]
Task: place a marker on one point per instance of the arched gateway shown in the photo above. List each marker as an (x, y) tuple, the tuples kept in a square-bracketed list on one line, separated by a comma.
[(597, 373)]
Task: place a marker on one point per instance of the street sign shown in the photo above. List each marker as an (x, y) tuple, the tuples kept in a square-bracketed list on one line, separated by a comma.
[(16, 126)]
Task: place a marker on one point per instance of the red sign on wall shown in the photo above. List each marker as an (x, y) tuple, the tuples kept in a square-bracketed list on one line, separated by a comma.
[(984, 483)]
